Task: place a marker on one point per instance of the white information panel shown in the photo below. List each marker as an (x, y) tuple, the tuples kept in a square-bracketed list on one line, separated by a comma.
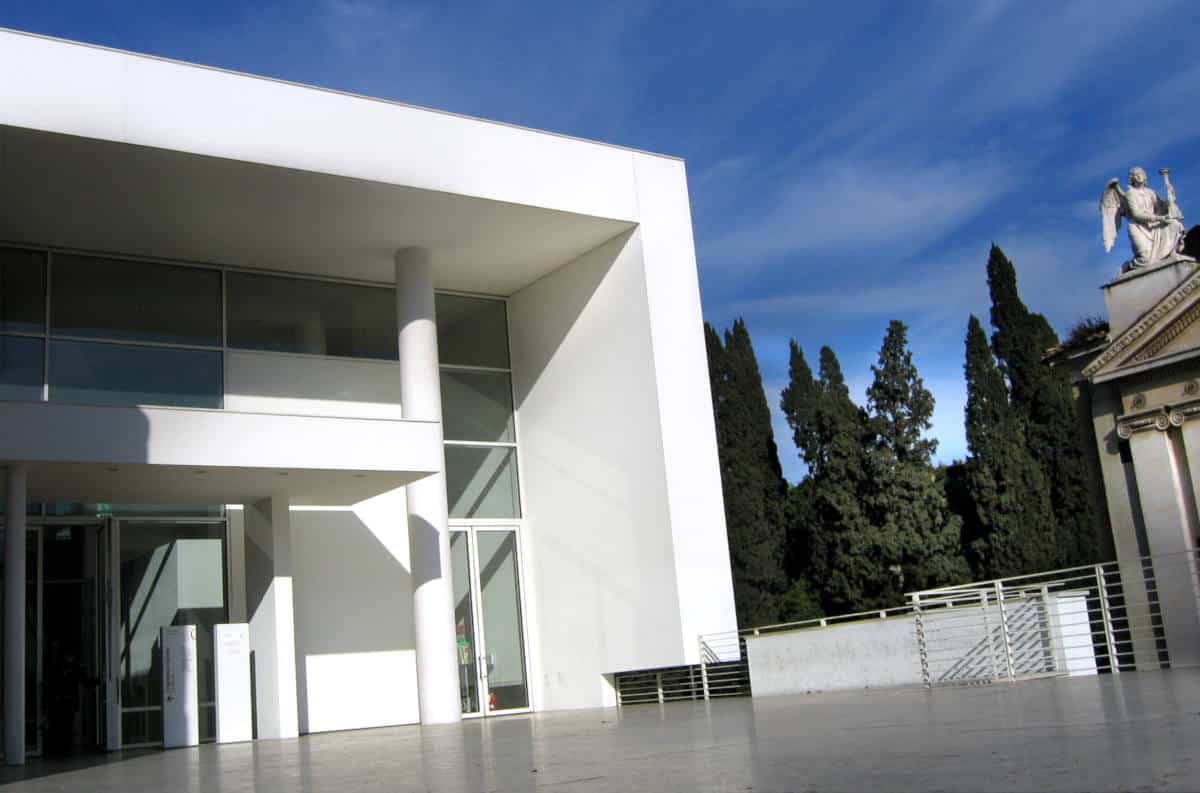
[(181, 700), (231, 645)]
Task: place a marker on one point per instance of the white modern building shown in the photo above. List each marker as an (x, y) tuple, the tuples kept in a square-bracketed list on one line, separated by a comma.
[(421, 398)]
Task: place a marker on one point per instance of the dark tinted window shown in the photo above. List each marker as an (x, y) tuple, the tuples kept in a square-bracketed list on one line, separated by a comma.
[(472, 331), (315, 317), (22, 291), (135, 301)]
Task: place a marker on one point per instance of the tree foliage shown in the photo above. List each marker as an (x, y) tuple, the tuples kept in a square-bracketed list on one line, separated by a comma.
[(1041, 396), (1011, 527), (751, 477)]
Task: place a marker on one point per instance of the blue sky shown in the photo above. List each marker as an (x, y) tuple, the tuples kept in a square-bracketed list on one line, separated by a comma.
[(849, 163)]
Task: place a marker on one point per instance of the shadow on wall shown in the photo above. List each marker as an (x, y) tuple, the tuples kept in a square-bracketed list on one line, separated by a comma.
[(576, 284), (355, 661)]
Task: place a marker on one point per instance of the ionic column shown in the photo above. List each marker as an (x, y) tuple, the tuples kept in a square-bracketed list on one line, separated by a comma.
[(14, 617), (428, 521)]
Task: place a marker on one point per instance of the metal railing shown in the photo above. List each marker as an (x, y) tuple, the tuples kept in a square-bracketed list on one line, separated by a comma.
[(1093, 619), (1080, 620)]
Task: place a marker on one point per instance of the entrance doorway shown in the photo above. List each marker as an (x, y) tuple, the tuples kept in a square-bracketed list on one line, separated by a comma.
[(98, 592), (489, 620), (66, 636)]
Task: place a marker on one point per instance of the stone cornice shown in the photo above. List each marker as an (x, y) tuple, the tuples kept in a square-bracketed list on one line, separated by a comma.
[(1135, 344)]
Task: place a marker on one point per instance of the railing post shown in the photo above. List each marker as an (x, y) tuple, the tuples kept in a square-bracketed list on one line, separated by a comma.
[(658, 682), (704, 669), (987, 631), (1047, 631), (922, 648), (1110, 640), (1008, 657)]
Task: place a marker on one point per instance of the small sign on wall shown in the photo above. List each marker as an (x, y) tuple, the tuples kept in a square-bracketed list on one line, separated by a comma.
[(181, 700), (231, 644)]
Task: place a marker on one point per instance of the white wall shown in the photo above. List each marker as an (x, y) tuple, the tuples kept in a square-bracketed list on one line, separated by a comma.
[(355, 663), (76, 89), (599, 552), (689, 437), (876, 654)]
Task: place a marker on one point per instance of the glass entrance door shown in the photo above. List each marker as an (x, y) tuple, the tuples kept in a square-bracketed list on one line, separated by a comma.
[(65, 637), (168, 572), (489, 621)]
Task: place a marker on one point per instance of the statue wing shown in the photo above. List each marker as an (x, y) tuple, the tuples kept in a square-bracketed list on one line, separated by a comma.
[(1110, 215)]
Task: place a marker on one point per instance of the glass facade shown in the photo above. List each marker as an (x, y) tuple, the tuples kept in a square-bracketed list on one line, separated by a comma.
[(115, 374), (477, 408), (279, 314), (103, 330), (119, 300), (22, 291)]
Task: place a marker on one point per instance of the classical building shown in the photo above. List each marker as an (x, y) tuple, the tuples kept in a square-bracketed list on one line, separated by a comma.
[(1140, 385), (421, 398)]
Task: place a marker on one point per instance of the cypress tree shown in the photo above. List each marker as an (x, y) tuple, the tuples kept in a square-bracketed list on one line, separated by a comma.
[(916, 539), (751, 476), (829, 432), (1011, 522), (1041, 395)]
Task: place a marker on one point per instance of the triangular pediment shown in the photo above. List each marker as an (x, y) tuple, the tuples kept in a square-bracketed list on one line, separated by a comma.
[(1166, 331)]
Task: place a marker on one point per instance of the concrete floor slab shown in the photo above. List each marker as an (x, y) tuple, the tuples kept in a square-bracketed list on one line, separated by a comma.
[(1132, 732)]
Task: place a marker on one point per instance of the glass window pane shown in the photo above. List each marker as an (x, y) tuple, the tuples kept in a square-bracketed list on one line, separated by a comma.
[(500, 599), (171, 574), (21, 368), (113, 374), (481, 482), (477, 406), (137, 301), (472, 331), (464, 622), (22, 291), (315, 317)]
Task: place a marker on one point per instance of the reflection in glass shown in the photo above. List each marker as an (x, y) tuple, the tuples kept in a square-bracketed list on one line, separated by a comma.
[(21, 363), (472, 331), (481, 482), (22, 291), (114, 374), (135, 301), (477, 406), (171, 574), (464, 622), (500, 605), (280, 314)]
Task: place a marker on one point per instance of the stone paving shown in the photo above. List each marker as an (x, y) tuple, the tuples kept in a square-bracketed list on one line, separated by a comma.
[(1131, 732)]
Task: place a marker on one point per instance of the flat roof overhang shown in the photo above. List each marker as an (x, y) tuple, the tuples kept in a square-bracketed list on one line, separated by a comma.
[(194, 456), (80, 193)]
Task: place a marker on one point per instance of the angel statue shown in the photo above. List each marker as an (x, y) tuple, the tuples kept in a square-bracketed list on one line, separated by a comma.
[(1155, 228)]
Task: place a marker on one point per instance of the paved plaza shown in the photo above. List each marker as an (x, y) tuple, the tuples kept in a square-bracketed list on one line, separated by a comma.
[(1132, 732)]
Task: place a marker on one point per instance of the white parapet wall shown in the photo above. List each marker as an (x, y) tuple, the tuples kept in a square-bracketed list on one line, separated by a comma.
[(1037, 634), (876, 654)]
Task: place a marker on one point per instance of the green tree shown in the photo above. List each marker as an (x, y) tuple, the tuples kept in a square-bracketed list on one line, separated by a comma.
[(1042, 397), (751, 477), (915, 540), (1011, 524), (829, 430)]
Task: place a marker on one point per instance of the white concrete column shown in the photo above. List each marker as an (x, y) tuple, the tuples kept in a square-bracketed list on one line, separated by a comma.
[(428, 522), (14, 617), (268, 563), (1170, 527)]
